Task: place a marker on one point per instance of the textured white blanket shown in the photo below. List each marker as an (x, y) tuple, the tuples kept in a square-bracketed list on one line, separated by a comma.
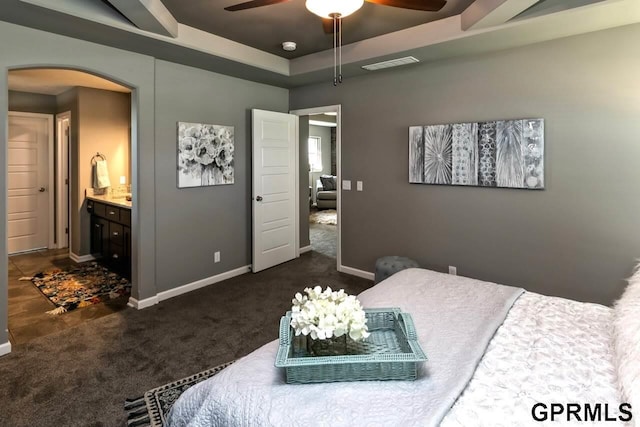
[(455, 318)]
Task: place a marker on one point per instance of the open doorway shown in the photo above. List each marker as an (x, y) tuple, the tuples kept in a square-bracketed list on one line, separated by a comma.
[(73, 276), (320, 140), (323, 210)]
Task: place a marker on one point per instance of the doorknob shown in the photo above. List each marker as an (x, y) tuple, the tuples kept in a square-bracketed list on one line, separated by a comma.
[(41, 189), (259, 198)]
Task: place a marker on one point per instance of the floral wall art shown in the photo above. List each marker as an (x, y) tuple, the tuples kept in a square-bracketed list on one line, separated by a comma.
[(506, 153), (205, 154)]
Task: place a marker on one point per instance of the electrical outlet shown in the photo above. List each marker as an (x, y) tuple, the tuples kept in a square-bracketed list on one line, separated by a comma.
[(359, 186), (453, 270), (216, 257)]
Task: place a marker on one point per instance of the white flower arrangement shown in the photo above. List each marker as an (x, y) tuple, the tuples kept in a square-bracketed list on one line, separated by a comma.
[(326, 314)]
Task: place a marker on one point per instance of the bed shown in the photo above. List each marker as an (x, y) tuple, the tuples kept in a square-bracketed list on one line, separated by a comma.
[(498, 356)]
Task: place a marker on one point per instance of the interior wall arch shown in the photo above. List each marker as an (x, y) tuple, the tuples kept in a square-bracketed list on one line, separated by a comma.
[(37, 49)]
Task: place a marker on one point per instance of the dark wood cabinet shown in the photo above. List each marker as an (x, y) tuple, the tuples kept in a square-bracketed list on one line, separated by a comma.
[(99, 235), (111, 236)]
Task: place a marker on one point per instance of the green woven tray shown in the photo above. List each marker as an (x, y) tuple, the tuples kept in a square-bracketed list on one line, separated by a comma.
[(391, 352)]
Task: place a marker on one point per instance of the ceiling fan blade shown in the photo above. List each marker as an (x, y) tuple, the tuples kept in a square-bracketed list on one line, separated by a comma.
[(253, 3), (426, 5), (327, 26)]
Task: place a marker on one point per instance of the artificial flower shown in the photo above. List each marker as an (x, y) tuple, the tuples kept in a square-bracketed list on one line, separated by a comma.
[(326, 314)]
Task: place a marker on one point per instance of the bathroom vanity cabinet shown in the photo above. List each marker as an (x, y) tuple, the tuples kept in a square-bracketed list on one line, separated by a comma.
[(111, 235)]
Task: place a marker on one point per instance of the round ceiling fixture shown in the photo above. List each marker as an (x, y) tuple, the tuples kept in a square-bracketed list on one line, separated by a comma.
[(329, 8), (289, 46)]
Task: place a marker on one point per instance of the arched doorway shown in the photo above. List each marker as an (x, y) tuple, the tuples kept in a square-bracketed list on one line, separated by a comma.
[(96, 117)]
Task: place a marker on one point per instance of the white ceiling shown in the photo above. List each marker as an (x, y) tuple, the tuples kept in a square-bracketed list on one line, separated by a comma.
[(56, 81)]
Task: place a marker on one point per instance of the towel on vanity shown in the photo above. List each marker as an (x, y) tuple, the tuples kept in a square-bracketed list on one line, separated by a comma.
[(101, 174)]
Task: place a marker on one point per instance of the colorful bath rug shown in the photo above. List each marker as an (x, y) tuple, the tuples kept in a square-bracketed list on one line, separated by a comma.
[(82, 286), (152, 408)]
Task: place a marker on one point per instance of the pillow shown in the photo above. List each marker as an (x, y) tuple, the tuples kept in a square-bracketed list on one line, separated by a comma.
[(328, 182), (626, 316)]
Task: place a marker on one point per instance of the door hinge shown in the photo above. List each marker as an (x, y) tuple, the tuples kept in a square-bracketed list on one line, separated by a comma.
[(66, 132), (66, 181), (66, 230)]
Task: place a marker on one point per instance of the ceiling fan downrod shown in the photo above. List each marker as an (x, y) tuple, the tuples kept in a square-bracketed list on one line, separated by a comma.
[(337, 48)]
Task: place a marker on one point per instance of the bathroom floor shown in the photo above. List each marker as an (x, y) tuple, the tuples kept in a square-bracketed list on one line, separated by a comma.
[(28, 306)]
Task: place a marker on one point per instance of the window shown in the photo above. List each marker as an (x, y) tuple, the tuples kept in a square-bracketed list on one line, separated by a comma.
[(315, 154)]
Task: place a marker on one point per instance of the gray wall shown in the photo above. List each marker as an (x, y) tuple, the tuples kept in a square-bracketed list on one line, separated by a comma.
[(193, 223), (303, 135), (325, 139), (176, 231), (32, 102), (578, 238), (31, 47)]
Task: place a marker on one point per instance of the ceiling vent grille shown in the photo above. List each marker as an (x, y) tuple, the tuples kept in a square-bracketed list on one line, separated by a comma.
[(391, 63)]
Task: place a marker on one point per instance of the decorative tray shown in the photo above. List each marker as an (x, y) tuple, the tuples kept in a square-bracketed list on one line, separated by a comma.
[(391, 352)]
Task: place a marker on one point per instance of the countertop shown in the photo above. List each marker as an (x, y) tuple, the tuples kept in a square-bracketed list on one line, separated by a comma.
[(120, 202)]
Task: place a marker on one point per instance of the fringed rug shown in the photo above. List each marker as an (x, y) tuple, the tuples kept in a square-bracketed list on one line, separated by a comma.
[(82, 286), (152, 409), (325, 216)]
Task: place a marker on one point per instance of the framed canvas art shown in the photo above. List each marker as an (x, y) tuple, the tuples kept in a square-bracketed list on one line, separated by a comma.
[(504, 153), (205, 154)]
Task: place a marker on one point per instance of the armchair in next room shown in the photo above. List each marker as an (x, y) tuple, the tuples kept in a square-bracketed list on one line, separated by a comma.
[(326, 193)]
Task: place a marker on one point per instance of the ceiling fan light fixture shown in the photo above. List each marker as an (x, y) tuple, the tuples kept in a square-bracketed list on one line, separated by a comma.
[(328, 8)]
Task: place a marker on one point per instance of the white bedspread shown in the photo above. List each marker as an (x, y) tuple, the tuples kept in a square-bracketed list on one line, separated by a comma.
[(548, 350)]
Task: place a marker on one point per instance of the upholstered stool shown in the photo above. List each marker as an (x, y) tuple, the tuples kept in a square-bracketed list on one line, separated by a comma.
[(389, 265)]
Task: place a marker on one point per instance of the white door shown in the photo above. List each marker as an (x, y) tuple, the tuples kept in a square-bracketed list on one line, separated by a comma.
[(27, 181), (275, 205)]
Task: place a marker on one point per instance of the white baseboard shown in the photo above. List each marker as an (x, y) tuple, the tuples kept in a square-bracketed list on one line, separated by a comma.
[(355, 272), (79, 258), (305, 249), (5, 348), (143, 303), (202, 283)]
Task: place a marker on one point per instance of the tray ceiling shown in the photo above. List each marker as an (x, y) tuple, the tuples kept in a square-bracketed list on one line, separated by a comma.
[(265, 28)]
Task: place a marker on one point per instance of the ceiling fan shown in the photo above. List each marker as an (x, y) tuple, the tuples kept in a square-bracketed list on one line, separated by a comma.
[(332, 12), (328, 10)]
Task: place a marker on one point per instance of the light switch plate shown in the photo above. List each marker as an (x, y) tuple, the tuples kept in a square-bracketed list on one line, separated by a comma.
[(346, 184), (359, 185)]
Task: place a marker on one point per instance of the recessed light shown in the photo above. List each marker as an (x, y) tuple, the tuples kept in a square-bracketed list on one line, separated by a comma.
[(289, 46)]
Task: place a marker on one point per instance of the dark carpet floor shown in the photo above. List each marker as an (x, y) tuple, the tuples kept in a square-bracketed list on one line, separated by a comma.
[(81, 376)]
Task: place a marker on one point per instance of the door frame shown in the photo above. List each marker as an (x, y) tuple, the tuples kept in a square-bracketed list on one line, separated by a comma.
[(143, 289), (338, 110), (50, 173), (62, 197)]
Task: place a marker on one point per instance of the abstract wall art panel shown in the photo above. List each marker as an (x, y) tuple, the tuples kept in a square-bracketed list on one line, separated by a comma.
[(505, 153), (465, 154), (205, 154), (487, 154)]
